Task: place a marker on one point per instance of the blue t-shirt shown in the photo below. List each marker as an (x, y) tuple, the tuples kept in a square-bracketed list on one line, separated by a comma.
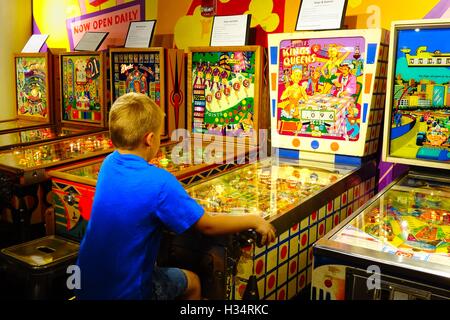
[(133, 201)]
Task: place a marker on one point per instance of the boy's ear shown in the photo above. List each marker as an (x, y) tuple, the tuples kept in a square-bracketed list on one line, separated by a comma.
[(149, 139)]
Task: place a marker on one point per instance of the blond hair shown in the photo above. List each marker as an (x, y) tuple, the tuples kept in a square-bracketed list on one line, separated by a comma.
[(132, 116)]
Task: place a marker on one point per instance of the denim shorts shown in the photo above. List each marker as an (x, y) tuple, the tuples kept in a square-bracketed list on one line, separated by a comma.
[(168, 283)]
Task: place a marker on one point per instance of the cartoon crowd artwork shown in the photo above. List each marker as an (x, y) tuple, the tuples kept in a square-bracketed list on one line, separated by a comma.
[(136, 72), (319, 88), (81, 88), (223, 86), (31, 78)]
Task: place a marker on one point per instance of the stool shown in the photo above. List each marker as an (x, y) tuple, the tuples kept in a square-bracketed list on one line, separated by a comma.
[(37, 269)]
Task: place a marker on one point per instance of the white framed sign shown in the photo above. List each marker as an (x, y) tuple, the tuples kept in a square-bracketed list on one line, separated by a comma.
[(140, 34), (230, 30), (321, 15), (91, 41), (35, 43)]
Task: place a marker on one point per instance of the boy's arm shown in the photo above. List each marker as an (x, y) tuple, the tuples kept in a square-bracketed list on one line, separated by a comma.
[(222, 224)]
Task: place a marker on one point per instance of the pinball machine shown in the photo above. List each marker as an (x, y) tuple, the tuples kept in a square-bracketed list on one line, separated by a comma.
[(24, 179), (82, 114), (188, 157), (325, 132), (41, 82), (74, 186), (29, 136), (397, 246)]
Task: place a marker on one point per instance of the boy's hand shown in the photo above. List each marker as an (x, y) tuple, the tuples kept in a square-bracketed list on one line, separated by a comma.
[(266, 230)]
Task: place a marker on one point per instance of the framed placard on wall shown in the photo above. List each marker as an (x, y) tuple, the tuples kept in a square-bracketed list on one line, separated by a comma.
[(91, 41), (35, 43), (230, 30), (321, 15), (140, 34)]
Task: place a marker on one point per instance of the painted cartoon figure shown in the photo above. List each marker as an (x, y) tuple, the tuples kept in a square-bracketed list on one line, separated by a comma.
[(218, 96), (208, 99), (137, 81), (216, 78), (246, 85), (313, 82), (398, 119), (345, 83), (286, 78), (352, 122), (330, 68), (208, 76), (293, 94), (80, 72), (224, 79), (199, 78), (226, 93), (247, 123), (237, 88)]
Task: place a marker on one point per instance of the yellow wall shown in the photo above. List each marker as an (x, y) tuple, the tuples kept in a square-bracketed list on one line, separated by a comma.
[(51, 16), (15, 33), (192, 30), (371, 13)]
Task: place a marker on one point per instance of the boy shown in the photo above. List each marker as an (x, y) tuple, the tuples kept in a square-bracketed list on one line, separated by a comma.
[(134, 201)]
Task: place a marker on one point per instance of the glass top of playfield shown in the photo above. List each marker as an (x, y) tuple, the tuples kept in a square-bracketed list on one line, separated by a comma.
[(17, 124), (412, 219), (267, 188), (171, 157), (57, 152), (35, 135), (420, 105)]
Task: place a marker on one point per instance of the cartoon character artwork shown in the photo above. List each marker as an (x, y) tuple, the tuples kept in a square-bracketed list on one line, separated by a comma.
[(137, 80), (138, 72), (345, 83), (31, 81), (199, 78), (82, 89), (223, 102), (420, 115), (321, 98), (330, 68), (294, 94)]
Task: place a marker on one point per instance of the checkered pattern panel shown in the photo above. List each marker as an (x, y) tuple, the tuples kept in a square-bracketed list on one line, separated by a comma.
[(284, 268)]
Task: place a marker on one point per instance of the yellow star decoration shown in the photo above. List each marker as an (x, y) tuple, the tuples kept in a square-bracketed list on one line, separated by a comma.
[(261, 11)]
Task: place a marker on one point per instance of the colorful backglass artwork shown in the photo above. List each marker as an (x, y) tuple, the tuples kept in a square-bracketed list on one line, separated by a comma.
[(319, 87), (327, 91), (224, 87), (82, 89), (32, 90), (134, 71), (420, 94)]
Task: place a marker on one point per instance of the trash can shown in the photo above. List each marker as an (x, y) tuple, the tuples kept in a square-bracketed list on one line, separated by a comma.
[(37, 269)]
